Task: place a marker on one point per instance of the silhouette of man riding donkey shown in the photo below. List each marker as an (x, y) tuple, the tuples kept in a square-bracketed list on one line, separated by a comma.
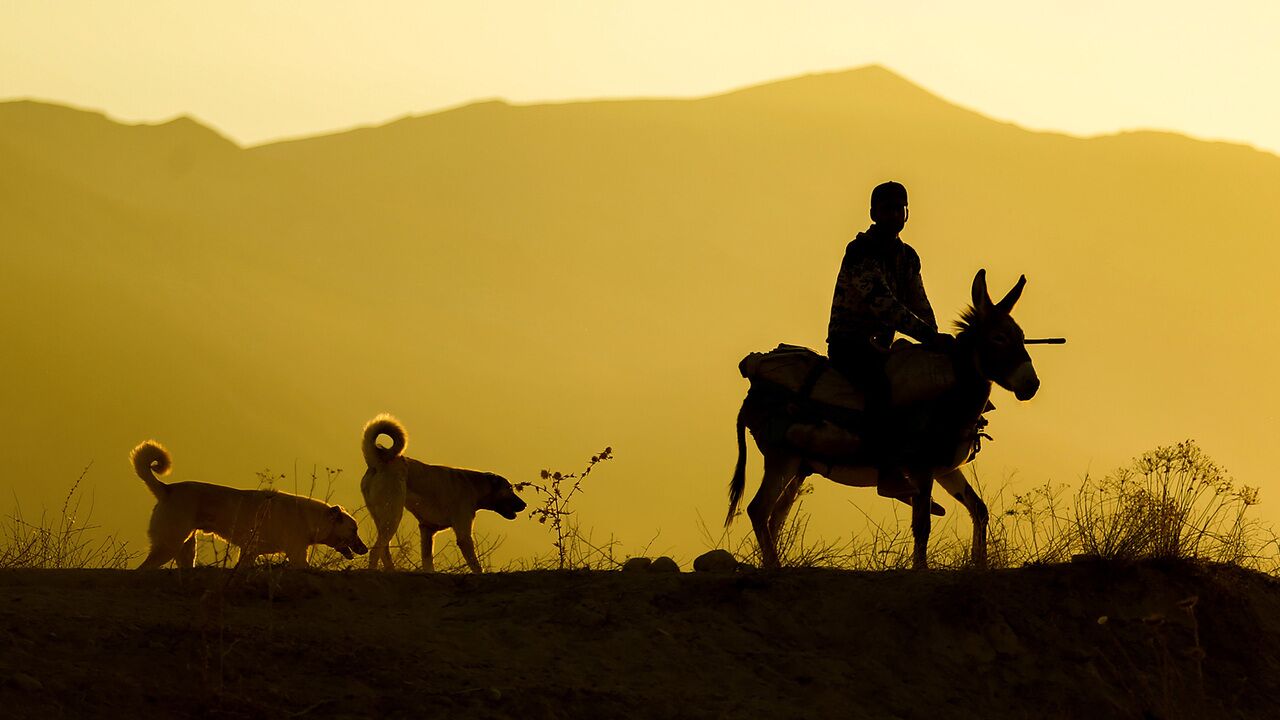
[(896, 416)]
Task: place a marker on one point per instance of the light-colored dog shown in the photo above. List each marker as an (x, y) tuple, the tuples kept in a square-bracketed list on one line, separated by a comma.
[(258, 522), (439, 497)]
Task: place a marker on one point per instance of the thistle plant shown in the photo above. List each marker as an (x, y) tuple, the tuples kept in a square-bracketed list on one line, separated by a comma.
[(558, 490)]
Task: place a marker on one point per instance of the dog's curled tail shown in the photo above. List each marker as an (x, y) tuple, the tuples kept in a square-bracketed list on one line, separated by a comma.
[(149, 460), (383, 424)]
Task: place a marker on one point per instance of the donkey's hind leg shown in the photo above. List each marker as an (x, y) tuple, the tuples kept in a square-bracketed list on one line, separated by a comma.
[(790, 491), (959, 488), (921, 519), (764, 509)]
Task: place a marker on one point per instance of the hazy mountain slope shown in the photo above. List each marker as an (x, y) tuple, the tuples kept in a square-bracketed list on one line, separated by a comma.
[(524, 285)]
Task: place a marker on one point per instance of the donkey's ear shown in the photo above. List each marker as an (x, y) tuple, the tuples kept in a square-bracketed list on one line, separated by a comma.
[(1007, 302), (981, 300)]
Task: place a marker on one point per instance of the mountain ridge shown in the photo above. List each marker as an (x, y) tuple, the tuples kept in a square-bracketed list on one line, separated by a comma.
[(868, 78)]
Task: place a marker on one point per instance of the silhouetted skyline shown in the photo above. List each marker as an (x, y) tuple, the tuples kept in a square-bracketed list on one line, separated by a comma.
[(281, 72)]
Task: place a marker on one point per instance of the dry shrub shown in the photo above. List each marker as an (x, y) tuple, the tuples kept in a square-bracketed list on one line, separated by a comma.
[(572, 548), (1030, 528), (1171, 502), (64, 541)]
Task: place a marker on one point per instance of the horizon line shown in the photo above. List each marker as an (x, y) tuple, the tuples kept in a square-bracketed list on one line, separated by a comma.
[(482, 100)]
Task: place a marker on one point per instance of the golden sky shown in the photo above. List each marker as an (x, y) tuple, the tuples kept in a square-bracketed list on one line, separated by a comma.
[(261, 71)]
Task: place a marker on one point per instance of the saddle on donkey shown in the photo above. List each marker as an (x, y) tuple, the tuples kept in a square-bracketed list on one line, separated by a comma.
[(815, 409)]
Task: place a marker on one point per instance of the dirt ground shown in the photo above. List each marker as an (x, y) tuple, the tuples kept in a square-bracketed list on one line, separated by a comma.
[(1153, 640)]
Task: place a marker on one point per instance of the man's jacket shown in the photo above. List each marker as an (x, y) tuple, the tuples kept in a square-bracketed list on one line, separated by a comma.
[(878, 292)]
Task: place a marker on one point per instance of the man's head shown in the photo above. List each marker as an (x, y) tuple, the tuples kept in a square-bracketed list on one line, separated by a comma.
[(889, 206)]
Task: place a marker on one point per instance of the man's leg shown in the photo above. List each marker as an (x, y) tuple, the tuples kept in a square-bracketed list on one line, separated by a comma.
[(864, 366)]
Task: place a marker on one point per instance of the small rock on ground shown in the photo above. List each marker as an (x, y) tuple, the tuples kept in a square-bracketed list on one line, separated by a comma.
[(716, 561), (664, 564), (636, 563)]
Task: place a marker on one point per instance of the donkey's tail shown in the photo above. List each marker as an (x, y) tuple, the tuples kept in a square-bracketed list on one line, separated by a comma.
[(739, 481), (384, 424), (150, 459)]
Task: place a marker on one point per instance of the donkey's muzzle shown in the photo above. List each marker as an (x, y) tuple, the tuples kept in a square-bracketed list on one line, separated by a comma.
[(1024, 382)]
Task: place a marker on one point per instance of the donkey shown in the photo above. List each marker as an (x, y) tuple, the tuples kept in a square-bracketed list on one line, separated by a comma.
[(932, 437)]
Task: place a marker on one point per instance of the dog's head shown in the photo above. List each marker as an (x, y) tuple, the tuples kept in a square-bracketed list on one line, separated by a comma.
[(501, 498), (343, 535)]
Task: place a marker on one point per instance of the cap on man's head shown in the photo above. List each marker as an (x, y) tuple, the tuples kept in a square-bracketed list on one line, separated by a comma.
[(889, 192)]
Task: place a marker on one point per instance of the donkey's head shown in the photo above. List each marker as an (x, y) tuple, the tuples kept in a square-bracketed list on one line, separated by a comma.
[(997, 341)]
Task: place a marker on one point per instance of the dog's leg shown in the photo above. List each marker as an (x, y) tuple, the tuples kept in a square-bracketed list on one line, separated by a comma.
[(187, 555), (381, 553), (462, 535), (159, 555), (384, 497), (385, 527), (298, 558), (166, 544), (168, 529), (428, 532)]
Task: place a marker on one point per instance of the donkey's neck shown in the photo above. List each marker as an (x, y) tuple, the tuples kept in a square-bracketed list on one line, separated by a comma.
[(972, 386)]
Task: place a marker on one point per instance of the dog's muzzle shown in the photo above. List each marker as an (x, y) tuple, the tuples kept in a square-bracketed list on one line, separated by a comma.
[(356, 547), (511, 509)]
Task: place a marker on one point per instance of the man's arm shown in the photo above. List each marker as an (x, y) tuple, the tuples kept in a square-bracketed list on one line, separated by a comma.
[(867, 281), (914, 297)]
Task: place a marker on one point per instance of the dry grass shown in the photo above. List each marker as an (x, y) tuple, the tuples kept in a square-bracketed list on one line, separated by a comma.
[(65, 540), (1171, 502)]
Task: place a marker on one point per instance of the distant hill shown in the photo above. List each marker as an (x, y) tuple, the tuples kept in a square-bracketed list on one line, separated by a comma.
[(524, 285)]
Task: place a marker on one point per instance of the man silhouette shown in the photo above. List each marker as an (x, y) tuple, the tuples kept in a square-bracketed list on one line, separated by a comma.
[(879, 292)]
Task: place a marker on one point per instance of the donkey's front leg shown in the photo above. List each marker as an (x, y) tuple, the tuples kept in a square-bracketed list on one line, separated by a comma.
[(958, 487), (921, 519)]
